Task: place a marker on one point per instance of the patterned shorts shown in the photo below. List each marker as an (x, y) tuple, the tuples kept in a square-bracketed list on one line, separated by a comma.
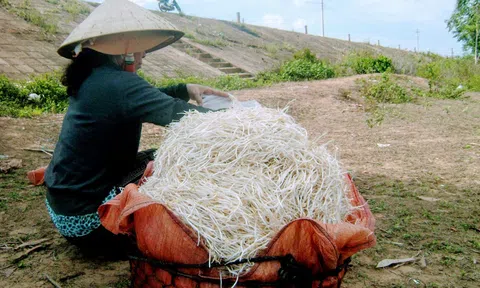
[(79, 225)]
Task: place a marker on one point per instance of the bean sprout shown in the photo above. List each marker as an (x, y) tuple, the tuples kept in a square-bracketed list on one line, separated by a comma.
[(238, 176)]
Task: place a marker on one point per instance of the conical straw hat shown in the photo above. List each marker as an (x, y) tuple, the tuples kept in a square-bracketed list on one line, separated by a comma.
[(118, 27)]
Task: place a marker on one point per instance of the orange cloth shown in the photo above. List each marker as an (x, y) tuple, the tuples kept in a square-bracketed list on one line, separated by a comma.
[(161, 235), (37, 177)]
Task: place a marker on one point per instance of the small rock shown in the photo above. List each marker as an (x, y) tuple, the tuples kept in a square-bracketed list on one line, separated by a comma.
[(9, 165), (34, 97), (9, 271), (423, 262), (429, 199)]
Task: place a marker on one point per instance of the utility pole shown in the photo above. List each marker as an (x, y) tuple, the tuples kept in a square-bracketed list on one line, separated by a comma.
[(323, 21), (323, 14), (238, 17), (306, 29), (418, 40)]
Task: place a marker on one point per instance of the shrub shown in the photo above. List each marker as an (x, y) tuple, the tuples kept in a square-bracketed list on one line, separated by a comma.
[(367, 63), (301, 69), (233, 83), (305, 54), (384, 90), (305, 66), (449, 78), (14, 96), (48, 87), (474, 83), (10, 92)]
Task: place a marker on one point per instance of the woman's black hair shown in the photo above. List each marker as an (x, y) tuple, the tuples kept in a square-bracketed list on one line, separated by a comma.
[(81, 67)]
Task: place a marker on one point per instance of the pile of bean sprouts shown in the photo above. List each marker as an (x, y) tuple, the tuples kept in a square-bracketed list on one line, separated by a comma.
[(238, 176)]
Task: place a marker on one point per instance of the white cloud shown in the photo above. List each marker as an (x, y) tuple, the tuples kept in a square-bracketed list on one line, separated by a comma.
[(274, 21), (299, 24)]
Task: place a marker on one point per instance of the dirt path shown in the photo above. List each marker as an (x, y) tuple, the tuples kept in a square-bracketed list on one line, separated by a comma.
[(430, 149)]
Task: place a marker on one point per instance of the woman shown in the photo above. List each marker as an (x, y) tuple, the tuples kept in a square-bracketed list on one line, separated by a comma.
[(96, 154)]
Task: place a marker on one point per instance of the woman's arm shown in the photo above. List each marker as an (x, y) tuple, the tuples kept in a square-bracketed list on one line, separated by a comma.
[(194, 92), (176, 91), (145, 103)]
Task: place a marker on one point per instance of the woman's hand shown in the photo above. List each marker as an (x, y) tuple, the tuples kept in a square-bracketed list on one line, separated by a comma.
[(197, 91)]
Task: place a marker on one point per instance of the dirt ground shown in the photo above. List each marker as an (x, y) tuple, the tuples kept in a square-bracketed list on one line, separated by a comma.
[(419, 170)]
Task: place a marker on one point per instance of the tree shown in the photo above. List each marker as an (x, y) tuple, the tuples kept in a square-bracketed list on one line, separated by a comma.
[(465, 24)]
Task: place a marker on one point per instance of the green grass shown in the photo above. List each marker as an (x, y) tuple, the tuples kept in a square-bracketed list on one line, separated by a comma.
[(214, 43), (226, 82), (446, 75), (75, 8), (13, 189), (384, 90), (432, 228), (31, 15), (15, 101), (378, 91), (243, 28)]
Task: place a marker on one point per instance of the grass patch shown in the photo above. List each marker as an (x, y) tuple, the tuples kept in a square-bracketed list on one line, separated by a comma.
[(43, 93), (31, 15), (378, 91), (14, 189), (189, 36), (243, 28), (213, 43), (224, 82), (403, 222), (444, 246), (272, 50), (75, 8), (384, 90)]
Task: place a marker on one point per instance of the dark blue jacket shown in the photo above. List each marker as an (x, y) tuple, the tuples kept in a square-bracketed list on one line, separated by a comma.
[(100, 136)]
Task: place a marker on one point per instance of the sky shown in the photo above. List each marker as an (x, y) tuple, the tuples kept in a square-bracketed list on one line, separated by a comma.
[(392, 22)]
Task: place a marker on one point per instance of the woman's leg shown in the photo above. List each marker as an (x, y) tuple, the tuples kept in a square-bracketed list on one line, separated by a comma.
[(102, 242), (139, 167)]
